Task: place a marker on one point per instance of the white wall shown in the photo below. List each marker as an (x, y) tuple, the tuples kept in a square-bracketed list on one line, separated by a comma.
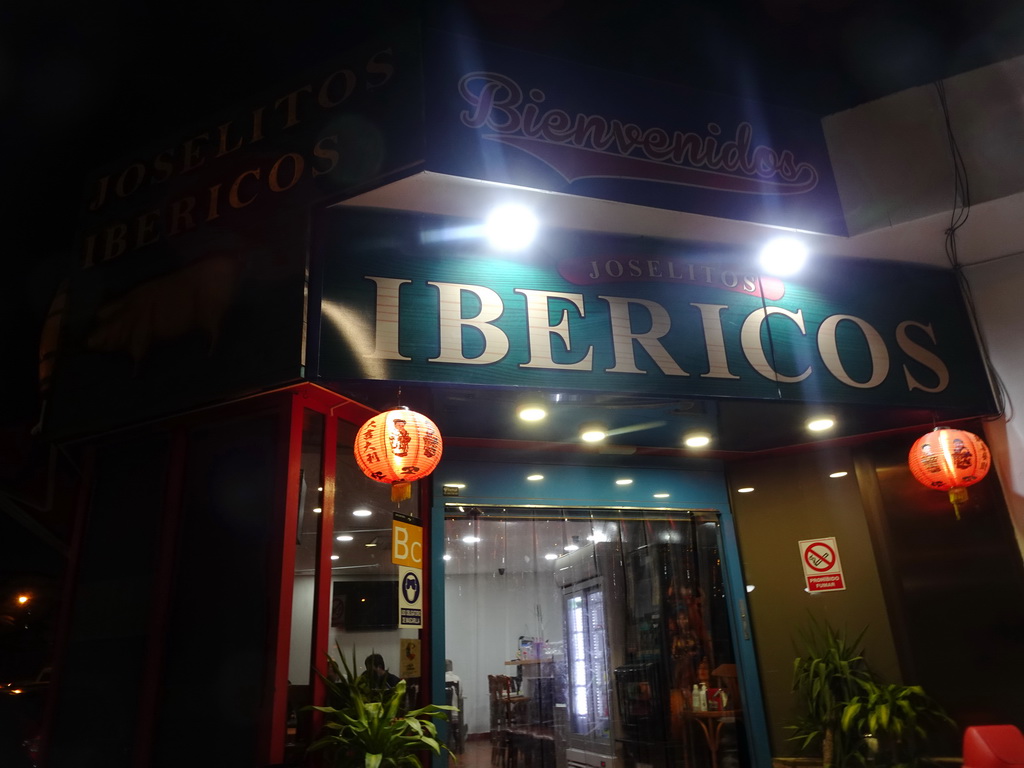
[(484, 616), (997, 287), (299, 663)]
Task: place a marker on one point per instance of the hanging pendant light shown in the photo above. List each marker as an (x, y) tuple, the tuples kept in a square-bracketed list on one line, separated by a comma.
[(398, 447), (950, 460)]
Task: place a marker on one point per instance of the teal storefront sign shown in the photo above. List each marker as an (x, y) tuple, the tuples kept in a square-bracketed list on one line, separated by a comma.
[(410, 297)]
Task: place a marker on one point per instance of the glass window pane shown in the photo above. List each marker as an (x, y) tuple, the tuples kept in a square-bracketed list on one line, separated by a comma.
[(364, 581), (300, 665)]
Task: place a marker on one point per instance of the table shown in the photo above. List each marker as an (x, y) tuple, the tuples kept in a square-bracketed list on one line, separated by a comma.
[(711, 722)]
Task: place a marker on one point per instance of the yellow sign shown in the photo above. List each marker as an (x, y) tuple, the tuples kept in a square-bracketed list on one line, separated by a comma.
[(406, 544)]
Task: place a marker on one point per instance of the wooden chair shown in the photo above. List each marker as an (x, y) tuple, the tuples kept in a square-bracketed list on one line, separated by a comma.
[(499, 722), (507, 720)]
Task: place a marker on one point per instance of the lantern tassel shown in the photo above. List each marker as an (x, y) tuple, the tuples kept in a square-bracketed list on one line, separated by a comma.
[(957, 496), (401, 491)]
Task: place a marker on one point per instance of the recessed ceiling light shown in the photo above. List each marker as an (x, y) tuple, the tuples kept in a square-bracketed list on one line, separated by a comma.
[(532, 412), (335, 557), (592, 433), (361, 512), (534, 478), (455, 485), (662, 495), (344, 537), (624, 481), (471, 539), (571, 547), (550, 556), (821, 424), (748, 489), (839, 474), (317, 510), (446, 557), (372, 543), (750, 587), (697, 440)]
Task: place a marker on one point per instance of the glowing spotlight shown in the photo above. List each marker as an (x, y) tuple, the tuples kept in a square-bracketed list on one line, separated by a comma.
[(821, 424), (593, 433), (550, 556), (783, 256), (697, 440), (838, 474), (748, 489), (532, 412), (511, 227)]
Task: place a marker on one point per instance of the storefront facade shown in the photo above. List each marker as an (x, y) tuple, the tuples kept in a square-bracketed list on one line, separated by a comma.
[(252, 294)]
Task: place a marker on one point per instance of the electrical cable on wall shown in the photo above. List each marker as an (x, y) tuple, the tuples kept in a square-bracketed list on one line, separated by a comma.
[(961, 210)]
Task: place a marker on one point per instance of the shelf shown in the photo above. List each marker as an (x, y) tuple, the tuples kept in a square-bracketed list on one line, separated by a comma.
[(528, 662)]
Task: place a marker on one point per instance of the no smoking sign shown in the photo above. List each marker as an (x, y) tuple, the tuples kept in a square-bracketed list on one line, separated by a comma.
[(822, 569)]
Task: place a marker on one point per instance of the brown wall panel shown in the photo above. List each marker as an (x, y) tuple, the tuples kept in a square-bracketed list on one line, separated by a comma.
[(795, 499)]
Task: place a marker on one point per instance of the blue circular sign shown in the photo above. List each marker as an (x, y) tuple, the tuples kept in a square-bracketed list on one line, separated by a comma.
[(410, 588)]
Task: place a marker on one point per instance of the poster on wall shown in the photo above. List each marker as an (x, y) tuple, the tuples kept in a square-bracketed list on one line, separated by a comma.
[(409, 658), (823, 570)]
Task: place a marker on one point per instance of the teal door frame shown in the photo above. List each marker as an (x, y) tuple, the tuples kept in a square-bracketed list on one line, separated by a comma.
[(692, 485)]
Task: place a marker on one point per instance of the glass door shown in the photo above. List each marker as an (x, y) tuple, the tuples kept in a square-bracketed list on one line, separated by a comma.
[(613, 628)]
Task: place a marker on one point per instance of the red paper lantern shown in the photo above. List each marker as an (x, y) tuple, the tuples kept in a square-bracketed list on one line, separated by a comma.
[(398, 447), (950, 460)]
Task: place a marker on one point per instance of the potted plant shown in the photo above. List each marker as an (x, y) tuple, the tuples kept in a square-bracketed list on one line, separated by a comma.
[(898, 723), (371, 728), (828, 674)]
